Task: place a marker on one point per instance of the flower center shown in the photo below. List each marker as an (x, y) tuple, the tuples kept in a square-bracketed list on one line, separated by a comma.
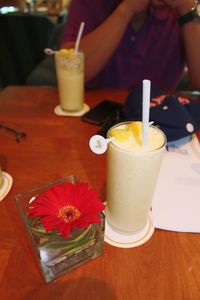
[(69, 213)]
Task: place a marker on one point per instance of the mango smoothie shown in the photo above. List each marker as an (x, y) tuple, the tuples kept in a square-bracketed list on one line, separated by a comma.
[(132, 172), (70, 77)]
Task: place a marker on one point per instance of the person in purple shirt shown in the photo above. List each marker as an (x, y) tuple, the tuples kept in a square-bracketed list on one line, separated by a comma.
[(127, 41)]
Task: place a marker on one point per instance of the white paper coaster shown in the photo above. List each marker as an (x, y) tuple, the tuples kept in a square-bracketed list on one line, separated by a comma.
[(7, 184), (59, 112), (128, 240)]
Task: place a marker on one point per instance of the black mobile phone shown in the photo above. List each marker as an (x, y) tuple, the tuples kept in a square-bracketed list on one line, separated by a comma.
[(101, 112)]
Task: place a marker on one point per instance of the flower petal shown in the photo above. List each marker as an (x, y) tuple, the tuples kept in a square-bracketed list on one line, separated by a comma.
[(59, 197)]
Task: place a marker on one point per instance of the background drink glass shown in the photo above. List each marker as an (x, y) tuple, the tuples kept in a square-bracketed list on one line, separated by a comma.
[(70, 77), (131, 180)]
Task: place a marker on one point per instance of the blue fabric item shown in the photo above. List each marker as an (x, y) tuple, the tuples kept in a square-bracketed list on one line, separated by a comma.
[(178, 117)]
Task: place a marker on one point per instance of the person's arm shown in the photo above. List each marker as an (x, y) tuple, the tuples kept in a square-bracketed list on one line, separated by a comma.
[(100, 44), (191, 37), (191, 34)]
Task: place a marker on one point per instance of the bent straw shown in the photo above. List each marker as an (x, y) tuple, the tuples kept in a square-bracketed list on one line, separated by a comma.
[(79, 37), (146, 91)]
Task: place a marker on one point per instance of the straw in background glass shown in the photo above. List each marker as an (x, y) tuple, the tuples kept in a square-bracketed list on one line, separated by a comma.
[(49, 51), (79, 37)]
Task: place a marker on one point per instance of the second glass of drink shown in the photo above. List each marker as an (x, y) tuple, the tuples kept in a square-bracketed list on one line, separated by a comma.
[(70, 78)]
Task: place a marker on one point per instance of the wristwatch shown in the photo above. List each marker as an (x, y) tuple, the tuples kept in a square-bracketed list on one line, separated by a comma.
[(192, 15)]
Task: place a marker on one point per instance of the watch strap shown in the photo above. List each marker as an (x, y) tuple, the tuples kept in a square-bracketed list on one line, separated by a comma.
[(189, 16)]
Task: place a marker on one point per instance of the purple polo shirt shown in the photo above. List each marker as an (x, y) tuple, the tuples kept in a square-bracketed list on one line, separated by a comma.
[(155, 52)]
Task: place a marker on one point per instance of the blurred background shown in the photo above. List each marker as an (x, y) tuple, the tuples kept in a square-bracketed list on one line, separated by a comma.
[(26, 28)]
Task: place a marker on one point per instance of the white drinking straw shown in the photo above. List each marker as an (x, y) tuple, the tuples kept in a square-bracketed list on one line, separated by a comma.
[(79, 37), (146, 91)]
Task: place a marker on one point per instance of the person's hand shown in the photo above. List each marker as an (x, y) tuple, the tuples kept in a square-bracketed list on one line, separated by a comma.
[(136, 7), (182, 6)]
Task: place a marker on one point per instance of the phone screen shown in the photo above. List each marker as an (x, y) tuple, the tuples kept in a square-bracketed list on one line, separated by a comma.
[(101, 112)]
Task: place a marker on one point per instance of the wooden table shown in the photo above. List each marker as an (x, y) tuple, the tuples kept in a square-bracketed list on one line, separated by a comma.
[(165, 267)]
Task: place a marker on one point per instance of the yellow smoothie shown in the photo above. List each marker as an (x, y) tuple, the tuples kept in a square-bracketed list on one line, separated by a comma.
[(132, 172), (70, 77)]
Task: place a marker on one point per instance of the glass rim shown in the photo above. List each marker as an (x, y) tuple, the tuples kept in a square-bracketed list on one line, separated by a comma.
[(77, 54), (71, 178), (163, 145)]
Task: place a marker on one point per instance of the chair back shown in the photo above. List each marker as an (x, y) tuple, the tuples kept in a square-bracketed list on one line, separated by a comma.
[(23, 39)]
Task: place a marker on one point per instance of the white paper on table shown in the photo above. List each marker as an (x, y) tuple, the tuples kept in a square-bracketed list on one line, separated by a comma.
[(176, 203)]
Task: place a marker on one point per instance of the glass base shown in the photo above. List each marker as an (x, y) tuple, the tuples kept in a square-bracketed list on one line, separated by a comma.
[(124, 240), (60, 112), (54, 254), (58, 255)]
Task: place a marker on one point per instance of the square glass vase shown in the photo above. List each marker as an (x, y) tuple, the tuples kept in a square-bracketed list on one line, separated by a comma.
[(55, 254)]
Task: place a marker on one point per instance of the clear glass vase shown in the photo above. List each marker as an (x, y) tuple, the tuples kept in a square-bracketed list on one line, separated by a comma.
[(55, 254)]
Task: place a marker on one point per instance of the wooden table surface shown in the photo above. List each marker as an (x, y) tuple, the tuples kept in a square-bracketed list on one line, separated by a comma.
[(165, 267)]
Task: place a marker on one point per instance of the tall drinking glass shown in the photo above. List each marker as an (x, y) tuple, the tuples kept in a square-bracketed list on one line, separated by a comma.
[(70, 78), (132, 172)]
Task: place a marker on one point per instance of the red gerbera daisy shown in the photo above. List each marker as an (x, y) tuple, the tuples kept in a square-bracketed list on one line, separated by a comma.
[(66, 206)]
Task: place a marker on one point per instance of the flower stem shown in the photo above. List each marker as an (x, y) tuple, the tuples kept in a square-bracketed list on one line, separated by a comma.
[(86, 235)]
